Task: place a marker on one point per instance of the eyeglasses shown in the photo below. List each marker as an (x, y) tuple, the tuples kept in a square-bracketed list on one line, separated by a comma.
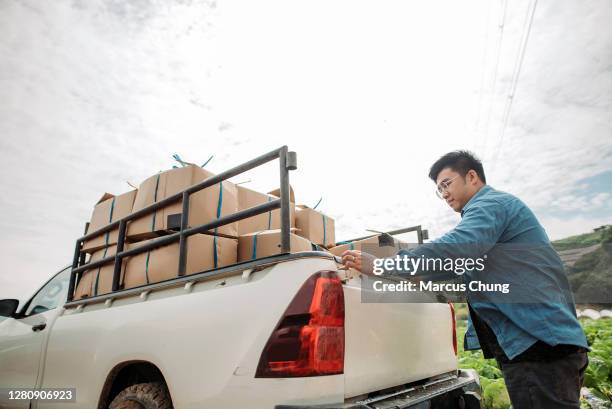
[(443, 187)]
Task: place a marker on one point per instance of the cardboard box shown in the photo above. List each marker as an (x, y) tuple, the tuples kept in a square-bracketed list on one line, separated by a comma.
[(276, 193), (109, 209), (381, 245), (98, 280), (205, 206), (266, 221), (162, 263), (315, 226), (268, 243)]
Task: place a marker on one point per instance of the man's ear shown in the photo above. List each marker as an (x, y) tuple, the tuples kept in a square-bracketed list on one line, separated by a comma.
[(473, 177)]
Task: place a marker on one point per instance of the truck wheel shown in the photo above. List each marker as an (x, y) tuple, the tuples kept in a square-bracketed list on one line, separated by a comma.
[(153, 395)]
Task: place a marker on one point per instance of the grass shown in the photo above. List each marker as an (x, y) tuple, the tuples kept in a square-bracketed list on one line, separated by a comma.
[(582, 240)]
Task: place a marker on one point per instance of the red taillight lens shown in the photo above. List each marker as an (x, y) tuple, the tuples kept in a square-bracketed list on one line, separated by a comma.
[(309, 339), (454, 323)]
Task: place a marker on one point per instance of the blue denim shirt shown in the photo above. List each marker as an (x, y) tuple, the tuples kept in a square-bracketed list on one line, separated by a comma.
[(501, 226)]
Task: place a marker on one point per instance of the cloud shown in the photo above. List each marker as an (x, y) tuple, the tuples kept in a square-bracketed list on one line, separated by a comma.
[(97, 93)]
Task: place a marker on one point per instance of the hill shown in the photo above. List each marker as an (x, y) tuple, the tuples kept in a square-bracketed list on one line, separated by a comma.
[(588, 260)]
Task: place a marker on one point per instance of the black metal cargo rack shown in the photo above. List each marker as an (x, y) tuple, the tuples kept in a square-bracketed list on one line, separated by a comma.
[(287, 162), (422, 234)]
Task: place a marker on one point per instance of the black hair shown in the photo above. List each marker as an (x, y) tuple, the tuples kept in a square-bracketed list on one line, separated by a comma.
[(459, 161)]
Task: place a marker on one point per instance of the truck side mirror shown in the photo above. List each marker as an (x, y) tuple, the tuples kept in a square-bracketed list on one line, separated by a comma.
[(8, 307)]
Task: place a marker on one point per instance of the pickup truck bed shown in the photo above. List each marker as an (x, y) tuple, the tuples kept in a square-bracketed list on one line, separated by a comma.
[(205, 334)]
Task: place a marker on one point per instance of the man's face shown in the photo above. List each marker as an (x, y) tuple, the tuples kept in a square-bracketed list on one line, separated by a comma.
[(458, 192)]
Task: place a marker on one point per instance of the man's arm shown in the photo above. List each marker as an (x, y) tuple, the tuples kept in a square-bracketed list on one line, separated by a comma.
[(479, 230)]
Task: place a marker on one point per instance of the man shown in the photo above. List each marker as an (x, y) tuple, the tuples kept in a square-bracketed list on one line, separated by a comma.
[(534, 334)]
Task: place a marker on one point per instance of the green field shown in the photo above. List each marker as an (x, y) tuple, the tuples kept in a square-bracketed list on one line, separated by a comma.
[(598, 376)]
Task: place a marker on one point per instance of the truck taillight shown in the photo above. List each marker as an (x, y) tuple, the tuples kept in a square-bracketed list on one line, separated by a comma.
[(309, 339), (454, 323)]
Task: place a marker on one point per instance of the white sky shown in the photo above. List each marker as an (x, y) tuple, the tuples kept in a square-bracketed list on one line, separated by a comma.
[(97, 93)]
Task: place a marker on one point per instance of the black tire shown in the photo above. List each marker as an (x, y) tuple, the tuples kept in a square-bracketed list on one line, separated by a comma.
[(153, 395)]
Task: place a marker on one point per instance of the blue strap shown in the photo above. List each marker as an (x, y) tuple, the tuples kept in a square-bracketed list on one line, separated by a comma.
[(219, 202), (315, 206), (107, 235), (324, 229), (219, 206), (147, 267), (269, 215), (254, 251), (155, 200), (112, 209), (152, 229), (215, 257), (177, 158), (110, 219), (351, 246), (98, 274), (206, 163)]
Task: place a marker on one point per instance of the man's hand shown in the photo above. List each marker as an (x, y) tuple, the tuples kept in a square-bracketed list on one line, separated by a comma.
[(363, 262)]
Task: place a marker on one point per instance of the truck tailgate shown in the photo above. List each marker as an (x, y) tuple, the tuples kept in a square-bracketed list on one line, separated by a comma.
[(390, 344)]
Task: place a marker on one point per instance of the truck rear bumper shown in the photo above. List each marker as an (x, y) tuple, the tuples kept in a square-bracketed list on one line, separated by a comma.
[(442, 393)]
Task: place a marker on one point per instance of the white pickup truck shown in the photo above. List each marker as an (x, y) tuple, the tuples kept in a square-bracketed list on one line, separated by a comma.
[(285, 332)]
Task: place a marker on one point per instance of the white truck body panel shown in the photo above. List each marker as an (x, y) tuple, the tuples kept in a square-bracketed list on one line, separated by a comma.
[(207, 342), (389, 344)]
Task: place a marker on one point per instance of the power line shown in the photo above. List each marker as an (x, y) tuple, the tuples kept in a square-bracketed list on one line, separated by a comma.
[(501, 25), (515, 75)]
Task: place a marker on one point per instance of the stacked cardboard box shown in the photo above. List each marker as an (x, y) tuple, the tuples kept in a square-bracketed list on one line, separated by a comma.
[(255, 237), (315, 226), (248, 198), (266, 243), (204, 252), (99, 280), (109, 209), (205, 206), (260, 236)]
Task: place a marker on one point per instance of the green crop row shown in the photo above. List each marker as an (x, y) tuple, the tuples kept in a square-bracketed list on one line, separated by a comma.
[(598, 376)]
